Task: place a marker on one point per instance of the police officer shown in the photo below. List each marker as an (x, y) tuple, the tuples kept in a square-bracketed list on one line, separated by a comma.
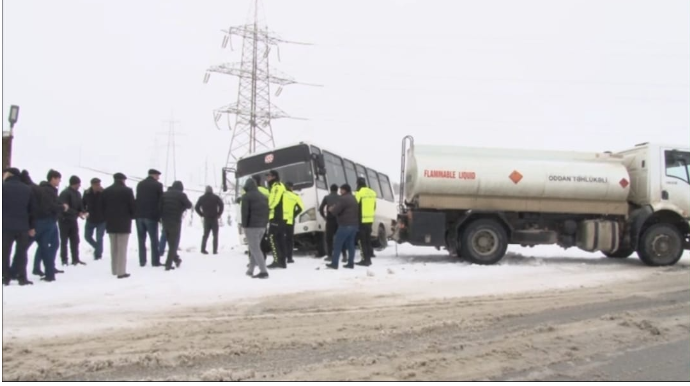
[(293, 206), (366, 198), (276, 220)]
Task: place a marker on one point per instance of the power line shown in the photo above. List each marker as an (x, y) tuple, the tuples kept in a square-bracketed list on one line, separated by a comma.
[(253, 110)]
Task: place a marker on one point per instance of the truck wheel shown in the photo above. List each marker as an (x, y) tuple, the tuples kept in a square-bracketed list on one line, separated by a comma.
[(484, 242), (381, 241), (621, 253), (660, 245)]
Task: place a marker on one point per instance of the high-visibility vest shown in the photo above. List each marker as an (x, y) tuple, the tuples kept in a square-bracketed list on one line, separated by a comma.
[(275, 198), (291, 201), (264, 191), (366, 198)]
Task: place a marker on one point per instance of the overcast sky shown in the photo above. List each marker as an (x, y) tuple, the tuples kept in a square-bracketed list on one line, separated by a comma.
[(95, 79)]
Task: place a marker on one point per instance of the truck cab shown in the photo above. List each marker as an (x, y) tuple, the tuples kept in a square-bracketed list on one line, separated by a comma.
[(659, 193)]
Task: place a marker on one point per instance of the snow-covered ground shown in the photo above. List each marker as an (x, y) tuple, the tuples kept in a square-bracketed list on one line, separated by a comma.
[(87, 298)]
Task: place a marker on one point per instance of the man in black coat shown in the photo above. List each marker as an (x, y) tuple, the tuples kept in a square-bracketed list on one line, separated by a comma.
[(26, 180), (95, 219), (210, 208), (18, 216), (149, 193), (119, 211), (47, 237), (69, 227), (172, 206)]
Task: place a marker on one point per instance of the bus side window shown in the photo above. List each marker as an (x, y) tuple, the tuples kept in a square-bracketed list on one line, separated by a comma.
[(386, 188), (320, 180), (361, 172), (350, 173), (334, 169), (374, 182)]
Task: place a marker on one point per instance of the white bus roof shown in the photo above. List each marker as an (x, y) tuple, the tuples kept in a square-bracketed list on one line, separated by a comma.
[(316, 145)]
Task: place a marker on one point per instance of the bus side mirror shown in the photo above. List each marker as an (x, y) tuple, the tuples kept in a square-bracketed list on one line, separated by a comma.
[(225, 181)]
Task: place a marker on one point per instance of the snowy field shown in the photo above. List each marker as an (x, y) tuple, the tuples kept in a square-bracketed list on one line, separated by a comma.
[(88, 298)]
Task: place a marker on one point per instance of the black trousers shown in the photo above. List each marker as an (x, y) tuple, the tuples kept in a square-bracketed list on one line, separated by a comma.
[(18, 266), (69, 230), (173, 232), (289, 240), (276, 235), (210, 225), (331, 228), (365, 241)]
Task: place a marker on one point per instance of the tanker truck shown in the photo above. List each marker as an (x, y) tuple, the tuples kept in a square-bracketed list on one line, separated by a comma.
[(475, 201)]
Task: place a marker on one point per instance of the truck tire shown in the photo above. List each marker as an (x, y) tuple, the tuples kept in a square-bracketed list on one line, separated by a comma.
[(621, 253), (484, 242), (660, 245), (381, 241)]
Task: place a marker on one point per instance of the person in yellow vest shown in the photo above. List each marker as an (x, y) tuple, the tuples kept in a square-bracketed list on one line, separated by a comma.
[(276, 220), (292, 206), (366, 198)]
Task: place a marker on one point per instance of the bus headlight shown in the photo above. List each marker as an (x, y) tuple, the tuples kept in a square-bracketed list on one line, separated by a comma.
[(309, 215)]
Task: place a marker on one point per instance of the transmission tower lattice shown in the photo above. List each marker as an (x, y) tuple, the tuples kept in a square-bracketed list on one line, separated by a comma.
[(253, 110)]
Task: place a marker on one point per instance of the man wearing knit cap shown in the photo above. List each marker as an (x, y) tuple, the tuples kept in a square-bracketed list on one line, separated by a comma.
[(69, 227), (149, 193), (118, 210)]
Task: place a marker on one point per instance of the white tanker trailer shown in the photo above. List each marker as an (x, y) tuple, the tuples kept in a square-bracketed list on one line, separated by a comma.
[(475, 202)]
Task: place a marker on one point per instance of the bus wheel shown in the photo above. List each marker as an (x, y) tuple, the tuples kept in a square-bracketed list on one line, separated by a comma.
[(660, 245), (484, 242), (381, 241)]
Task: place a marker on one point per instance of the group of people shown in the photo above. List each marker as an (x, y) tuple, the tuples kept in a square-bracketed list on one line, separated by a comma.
[(275, 208), (348, 217), (37, 213)]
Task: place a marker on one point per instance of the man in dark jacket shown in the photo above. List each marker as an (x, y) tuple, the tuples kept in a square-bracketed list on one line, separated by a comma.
[(254, 221), (346, 212), (149, 193), (95, 219), (172, 206), (47, 237), (119, 211), (69, 227), (331, 222), (210, 208), (26, 180), (18, 216)]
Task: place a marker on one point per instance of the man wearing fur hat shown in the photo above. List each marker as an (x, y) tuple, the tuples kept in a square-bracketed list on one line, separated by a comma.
[(69, 227)]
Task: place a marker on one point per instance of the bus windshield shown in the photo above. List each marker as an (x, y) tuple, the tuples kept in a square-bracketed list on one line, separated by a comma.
[(293, 164)]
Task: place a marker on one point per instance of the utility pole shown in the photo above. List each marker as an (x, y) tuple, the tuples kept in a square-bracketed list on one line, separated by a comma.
[(253, 110), (171, 148)]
